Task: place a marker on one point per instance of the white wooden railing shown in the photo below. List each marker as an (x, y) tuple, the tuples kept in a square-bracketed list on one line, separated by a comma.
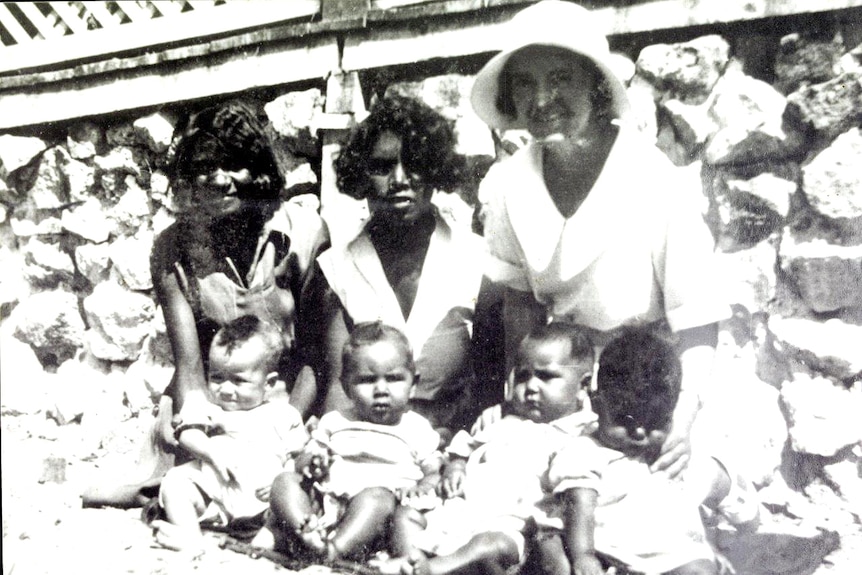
[(44, 34)]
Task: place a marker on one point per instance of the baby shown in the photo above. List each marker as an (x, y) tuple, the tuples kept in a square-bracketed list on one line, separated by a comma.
[(616, 509), (239, 447), (495, 478), (362, 462)]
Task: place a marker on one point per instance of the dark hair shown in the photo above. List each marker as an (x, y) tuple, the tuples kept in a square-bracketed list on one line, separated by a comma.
[(427, 140), (232, 136), (368, 333), (243, 329), (640, 376), (600, 94), (580, 345)]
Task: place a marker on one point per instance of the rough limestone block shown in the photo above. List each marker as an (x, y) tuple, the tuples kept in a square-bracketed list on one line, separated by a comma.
[(827, 276), (119, 320), (51, 323), (829, 108), (50, 189), (93, 261), (830, 346), (17, 151), (687, 71), (131, 212), (293, 117), (750, 275), (88, 220), (84, 140), (155, 131), (832, 181), (806, 59), (823, 417), (46, 264), (130, 257), (749, 114)]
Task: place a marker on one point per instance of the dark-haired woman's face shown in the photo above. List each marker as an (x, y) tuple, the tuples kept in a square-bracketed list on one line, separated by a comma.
[(396, 196), (210, 194), (550, 90)]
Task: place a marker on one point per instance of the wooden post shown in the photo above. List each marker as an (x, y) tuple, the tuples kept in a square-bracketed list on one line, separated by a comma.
[(342, 214)]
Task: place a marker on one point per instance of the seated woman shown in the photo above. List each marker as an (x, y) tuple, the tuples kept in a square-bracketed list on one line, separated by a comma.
[(236, 249), (408, 266)]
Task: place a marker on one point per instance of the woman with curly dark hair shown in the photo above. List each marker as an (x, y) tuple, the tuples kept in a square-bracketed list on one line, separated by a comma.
[(408, 266)]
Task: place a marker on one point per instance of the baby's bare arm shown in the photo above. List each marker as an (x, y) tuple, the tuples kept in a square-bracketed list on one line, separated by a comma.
[(199, 444), (579, 530)]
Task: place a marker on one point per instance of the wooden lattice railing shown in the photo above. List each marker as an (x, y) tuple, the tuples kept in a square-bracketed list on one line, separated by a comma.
[(39, 34)]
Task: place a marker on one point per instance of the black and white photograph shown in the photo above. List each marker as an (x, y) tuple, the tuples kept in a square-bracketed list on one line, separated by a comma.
[(431, 287)]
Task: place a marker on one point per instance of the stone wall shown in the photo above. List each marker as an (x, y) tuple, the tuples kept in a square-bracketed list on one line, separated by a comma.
[(775, 160)]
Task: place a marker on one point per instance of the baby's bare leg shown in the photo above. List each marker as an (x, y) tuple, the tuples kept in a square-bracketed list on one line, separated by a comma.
[(486, 554), (184, 504), (550, 556), (366, 518), (292, 509), (406, 523)]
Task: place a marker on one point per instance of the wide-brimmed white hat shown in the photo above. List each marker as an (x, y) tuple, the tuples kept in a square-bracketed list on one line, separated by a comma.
[(549, 23)]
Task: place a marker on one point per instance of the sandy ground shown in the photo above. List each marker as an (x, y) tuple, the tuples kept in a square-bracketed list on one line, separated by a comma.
[(45, 468)]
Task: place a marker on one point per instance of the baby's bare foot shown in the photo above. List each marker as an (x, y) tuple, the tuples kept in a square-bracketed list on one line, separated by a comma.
[(416, 563), (313, 536), (178, 538)]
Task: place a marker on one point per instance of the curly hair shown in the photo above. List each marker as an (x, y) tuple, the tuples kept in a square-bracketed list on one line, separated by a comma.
[(243, 329), (365, 334), (427, 140), (639, 377), (231, 136), (600, 94)]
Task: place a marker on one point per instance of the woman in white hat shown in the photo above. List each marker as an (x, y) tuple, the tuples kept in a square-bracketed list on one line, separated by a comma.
[(590, 222)]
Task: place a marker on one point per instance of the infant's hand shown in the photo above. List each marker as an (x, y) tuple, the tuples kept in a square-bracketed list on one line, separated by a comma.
[(421, 496), (263, 493), (488, 416), (453, 481), (314, 462), (587, 564)]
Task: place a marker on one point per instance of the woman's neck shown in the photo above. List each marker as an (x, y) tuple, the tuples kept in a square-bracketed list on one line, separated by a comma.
[(570, 167)]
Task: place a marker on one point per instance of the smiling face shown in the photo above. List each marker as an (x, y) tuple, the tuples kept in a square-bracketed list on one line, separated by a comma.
[(379, 380), (397, 196), (550, 90), (238, 379), (547, 381)]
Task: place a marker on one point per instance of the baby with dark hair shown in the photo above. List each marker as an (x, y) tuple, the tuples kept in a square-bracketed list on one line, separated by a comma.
[(362, 462), (618, 511), (242, 443), (495, 478)]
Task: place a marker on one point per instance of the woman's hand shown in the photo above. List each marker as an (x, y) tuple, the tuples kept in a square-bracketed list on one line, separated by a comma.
[(676, 450), (675, 454)]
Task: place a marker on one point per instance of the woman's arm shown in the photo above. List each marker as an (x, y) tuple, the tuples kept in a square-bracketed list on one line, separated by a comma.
[(189, 376), (697, 351), (336, 336)]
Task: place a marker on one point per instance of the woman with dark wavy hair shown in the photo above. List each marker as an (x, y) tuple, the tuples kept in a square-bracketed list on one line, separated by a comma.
[(408, 266)]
